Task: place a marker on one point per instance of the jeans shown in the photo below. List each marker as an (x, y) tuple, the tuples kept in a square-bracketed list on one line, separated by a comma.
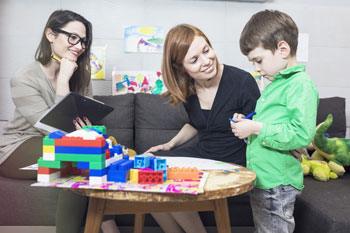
[(273, 209)]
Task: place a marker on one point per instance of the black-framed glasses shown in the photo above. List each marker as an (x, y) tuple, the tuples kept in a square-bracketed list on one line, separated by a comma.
[(73, 38)]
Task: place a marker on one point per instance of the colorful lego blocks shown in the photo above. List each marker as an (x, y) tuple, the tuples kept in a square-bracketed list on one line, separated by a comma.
[(82, 149), (88, 149)]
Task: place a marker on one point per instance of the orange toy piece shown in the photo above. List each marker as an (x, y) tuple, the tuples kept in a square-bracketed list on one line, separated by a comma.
[(183, 173)]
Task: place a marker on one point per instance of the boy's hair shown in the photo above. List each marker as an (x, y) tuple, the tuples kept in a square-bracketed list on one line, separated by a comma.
[(266, 29)]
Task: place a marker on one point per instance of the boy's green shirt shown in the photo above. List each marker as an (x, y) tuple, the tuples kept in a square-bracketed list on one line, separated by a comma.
[(287, 108)]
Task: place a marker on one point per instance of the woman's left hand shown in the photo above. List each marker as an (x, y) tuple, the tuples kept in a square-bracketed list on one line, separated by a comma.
[(79, 123)]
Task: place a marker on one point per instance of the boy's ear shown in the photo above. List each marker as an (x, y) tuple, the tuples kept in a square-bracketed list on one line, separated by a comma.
[(283, 48), (50, 35)]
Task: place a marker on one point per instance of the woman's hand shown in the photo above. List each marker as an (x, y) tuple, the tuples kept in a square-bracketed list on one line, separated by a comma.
[(165, 146), (79, 123), (67, 68)]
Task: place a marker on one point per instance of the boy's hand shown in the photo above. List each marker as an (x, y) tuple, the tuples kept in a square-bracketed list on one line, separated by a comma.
[(237, 117), (244, 128)]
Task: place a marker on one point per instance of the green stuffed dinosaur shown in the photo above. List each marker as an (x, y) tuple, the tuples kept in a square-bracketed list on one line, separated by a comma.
[(318, 169), (334, 150)]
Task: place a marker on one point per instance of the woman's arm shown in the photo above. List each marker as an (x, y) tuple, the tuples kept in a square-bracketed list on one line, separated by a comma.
[(185, 134)]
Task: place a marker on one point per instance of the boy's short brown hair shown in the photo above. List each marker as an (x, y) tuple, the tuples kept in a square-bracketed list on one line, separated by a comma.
[(266, 29)]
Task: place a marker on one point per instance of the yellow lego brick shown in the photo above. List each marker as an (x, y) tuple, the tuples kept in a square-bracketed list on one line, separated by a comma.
[(134, 175), (48, 149)]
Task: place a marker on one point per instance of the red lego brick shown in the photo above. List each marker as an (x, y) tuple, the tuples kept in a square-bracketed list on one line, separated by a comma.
[(150, 177), (80, 142), (47, 170)]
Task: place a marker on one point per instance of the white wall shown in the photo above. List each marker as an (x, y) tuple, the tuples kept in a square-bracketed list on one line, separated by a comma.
[(326, 22)]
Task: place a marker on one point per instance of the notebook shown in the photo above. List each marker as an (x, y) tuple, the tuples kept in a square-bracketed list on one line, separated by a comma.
[(61, 115)]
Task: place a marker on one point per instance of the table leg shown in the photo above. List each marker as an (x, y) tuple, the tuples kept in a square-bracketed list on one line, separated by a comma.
[(94, 215), (222, 216), (139, 223)]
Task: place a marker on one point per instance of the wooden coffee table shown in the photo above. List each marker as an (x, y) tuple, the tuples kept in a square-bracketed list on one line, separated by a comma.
[(218, 187)]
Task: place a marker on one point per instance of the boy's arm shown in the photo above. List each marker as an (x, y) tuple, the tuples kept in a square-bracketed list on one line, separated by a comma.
[(301, 107)]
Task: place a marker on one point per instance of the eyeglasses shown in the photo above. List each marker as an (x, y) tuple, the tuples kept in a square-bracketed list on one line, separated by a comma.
[(73, 38)]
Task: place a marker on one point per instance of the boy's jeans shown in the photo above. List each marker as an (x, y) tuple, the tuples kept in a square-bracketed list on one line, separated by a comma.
[(273, 209)]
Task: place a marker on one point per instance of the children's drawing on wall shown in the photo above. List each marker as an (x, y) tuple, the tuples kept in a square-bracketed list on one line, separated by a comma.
[(138, 39), (98, 62), (261, 81), (137, 81)]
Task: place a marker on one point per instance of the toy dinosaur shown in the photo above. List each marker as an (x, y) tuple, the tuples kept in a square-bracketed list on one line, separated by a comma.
[(334, 150), (318, 169)]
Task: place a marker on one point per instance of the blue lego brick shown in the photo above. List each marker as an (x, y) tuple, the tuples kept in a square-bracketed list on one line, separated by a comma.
[(118, 176), (142, 161), (164, 175), (83, 165), (56, 135), (101, 172), (126, 157), (122, 165), (152, 163), (80, 150), (118, 149), (111, 150), (160, 164)]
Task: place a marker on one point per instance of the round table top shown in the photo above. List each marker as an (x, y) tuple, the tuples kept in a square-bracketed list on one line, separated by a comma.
[(219, 184)]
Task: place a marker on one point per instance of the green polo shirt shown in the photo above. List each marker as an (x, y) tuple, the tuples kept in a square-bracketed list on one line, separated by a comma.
[(287, 108)]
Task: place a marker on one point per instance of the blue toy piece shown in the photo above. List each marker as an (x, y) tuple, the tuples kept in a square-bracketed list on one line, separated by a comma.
[(56, 135), (118, 149), (142, 161), (83, 165)]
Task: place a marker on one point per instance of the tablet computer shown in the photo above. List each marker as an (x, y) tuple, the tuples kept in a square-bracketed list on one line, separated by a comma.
[(61, 115)]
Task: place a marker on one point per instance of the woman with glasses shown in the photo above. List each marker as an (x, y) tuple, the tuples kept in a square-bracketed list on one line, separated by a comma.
[(62, 65)]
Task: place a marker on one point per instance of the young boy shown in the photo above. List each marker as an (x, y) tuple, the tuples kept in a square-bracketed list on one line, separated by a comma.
[(285, 119)]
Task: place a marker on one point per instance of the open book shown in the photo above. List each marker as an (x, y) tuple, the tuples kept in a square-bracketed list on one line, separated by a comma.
[(61, 115)]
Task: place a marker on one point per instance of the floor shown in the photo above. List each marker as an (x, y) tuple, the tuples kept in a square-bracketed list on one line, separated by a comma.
[(50, 229)]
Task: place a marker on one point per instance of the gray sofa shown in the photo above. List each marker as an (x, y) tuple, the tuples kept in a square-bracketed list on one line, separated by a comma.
[(140, 121)]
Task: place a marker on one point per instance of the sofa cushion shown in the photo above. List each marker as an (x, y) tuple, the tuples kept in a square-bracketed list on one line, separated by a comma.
[(335, 106), (156, 121), (324, 207), (120, 122)]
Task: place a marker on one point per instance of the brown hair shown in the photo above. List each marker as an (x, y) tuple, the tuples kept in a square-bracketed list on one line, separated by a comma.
[(266, 29), (57, 20), (176, 79)]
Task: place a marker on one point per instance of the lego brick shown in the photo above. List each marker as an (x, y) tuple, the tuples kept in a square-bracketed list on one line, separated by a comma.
[(107, 153), (150, 177), (183, 173), (99, 172), (118, 175), (118, 149), (56, 135), (97, 180), (80, 142), (48, 149), (50, 164), (97, 165), (49, 156), (158, 164), (79, 150), (48, 141), (81, 157), (141, 161), (83, 165), (48, 177), (101, 129), (134, 175), (47, 170)]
